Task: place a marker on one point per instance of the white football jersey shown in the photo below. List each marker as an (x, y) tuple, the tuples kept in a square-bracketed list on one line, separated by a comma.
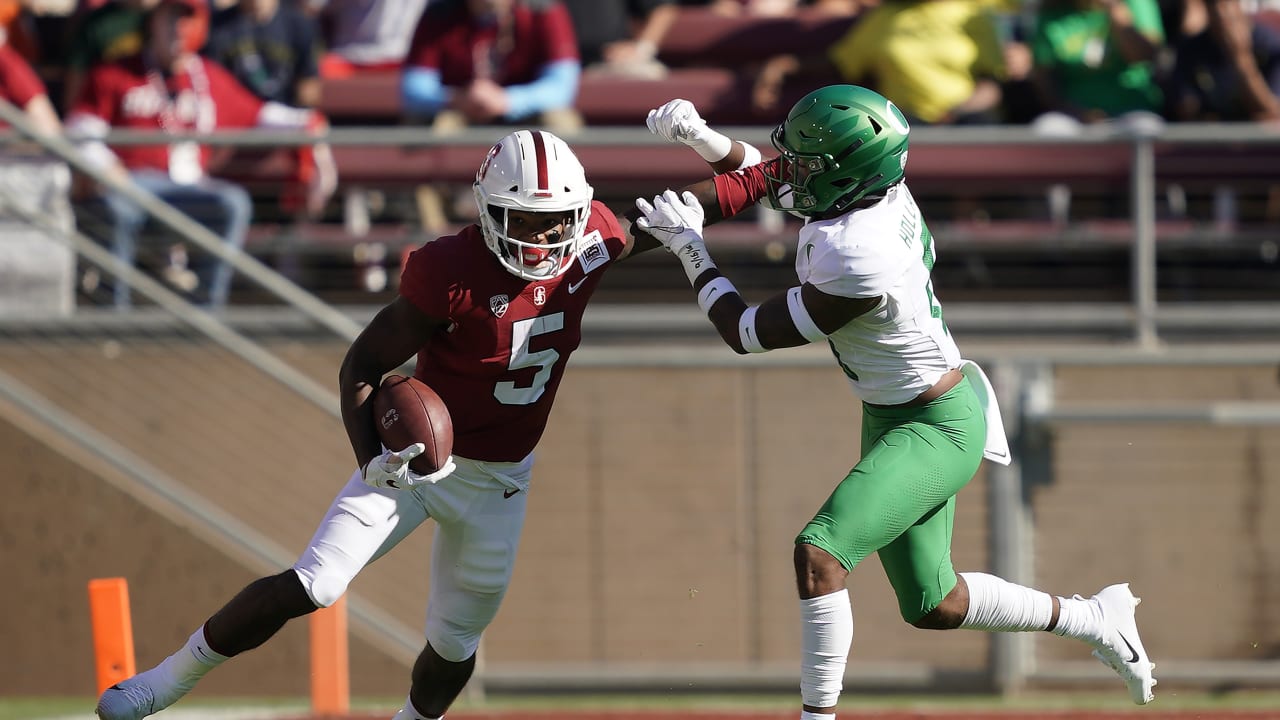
[(900, 349)]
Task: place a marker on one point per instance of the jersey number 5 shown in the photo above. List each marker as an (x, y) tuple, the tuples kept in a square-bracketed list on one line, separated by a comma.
[(506, 391)]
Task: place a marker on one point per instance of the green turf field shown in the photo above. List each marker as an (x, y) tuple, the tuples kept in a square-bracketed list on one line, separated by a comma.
[(48, 708)]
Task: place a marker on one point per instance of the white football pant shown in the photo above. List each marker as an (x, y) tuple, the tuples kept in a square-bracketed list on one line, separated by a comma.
[(479, 512)]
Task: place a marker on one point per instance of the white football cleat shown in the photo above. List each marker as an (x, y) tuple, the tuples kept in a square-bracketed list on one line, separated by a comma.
[(126, 700), (141, 695), (1121, 648)]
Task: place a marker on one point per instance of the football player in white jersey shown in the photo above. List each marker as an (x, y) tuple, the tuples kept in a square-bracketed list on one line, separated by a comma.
[(863, 262)]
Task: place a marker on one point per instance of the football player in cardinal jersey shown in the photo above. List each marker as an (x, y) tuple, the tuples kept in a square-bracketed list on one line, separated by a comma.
[(492, 314), (863, 261)]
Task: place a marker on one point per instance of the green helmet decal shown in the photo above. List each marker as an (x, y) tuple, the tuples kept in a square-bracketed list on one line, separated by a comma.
[(838, 145)]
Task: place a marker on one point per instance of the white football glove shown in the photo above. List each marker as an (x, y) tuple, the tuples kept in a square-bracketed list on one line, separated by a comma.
[(678, 121), (414, 479), (391, 469), (675, 221)]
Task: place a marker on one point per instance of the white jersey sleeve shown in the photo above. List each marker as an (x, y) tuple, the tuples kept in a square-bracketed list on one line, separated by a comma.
[(902, 347)]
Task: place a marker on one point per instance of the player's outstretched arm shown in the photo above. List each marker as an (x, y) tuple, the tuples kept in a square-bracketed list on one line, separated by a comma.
[(796, 317), (678, 121), (640, 239)]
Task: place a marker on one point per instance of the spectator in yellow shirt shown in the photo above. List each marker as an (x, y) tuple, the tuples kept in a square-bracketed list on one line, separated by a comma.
[(940, 61)]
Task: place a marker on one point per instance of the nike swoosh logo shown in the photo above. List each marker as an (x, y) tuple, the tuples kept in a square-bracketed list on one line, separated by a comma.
[(573, 287), (508, 493), (1132, 652)]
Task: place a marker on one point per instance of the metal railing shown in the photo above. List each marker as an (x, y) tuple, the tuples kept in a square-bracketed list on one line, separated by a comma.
[(1019, 369), (1143, 315)]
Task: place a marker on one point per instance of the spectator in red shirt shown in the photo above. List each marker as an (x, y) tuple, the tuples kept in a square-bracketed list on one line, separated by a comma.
[(20, 85), (169, 88), (493, 61), (100, 31)]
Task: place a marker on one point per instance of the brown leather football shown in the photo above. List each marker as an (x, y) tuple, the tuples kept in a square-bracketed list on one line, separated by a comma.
[(406, 411)]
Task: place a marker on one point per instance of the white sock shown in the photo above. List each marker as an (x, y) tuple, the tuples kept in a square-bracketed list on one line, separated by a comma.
[(409, 712), (997, 605), (806, 715), (1080, 619), (826, 634), (178, 673)]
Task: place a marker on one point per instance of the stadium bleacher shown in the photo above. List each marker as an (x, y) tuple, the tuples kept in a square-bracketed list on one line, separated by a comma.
[(712, 60)]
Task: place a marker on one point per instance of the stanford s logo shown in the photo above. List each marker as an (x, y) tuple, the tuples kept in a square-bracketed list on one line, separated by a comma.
[(540, 295), (484, 166), (498, 304)]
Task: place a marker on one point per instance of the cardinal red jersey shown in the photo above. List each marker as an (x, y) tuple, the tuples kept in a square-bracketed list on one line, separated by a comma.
[(203, 98), (19, 84), (499, 364)]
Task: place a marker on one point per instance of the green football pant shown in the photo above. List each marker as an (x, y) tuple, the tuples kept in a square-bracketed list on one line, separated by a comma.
[(899, 500)]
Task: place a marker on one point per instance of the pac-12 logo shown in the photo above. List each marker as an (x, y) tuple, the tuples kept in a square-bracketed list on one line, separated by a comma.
[(488, 159), (498, 305)]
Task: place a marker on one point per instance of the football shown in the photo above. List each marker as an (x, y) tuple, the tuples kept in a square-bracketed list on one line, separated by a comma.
[(407, 411)]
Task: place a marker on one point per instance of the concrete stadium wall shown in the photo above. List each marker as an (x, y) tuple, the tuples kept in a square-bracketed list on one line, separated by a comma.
[(661, 517)]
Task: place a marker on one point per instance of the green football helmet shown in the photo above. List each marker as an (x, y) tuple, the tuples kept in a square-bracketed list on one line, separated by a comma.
[(838, 145)]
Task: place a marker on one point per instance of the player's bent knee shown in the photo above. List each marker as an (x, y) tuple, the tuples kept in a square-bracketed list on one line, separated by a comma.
[(935, 621), (942, 617), (323, 589), (928, 621), (452, 644)]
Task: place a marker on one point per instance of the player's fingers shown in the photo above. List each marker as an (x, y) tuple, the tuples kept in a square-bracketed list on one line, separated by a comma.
[(652, 121), (691, 200), (669, 197), (643, 206), (445, 470), (410, 452)]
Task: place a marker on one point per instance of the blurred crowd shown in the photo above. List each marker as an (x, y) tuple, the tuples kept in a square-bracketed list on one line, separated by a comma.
[(507, 61), (192, 66)]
